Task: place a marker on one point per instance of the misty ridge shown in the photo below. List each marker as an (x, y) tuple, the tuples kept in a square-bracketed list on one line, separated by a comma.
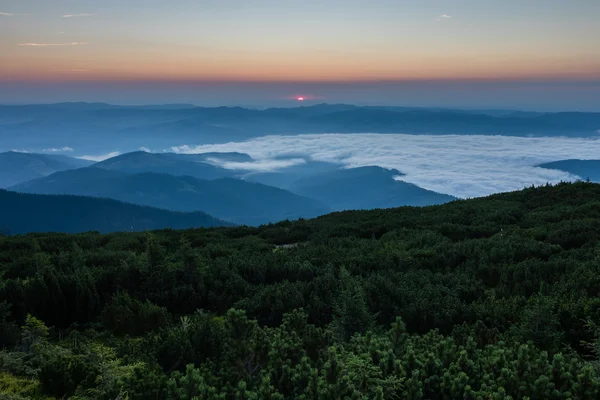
[(252, 167), (25, 213), (101, 128), (188, 183)]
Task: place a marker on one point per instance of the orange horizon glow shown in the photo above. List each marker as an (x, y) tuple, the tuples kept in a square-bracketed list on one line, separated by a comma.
[(86, 63), (91, 75), (509, 53), (237, 42)]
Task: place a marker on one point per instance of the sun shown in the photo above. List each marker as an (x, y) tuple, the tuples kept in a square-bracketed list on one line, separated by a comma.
[(300, 98)]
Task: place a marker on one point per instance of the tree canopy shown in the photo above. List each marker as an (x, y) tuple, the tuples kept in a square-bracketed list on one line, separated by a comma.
[(491, 298)]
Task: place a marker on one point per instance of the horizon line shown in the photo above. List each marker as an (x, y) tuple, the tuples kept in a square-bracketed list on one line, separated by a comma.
[(295, 104), (505, 79)]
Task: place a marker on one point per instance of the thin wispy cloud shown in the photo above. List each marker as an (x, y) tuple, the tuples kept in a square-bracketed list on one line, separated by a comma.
[(463, 166), (52, 44), (258, 166), (183, 149), (443, 17), (100, 157), (4, 14), (77, 15), (57, 150)]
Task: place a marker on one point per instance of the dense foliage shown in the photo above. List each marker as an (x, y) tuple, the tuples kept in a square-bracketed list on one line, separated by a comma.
[(494, 298)]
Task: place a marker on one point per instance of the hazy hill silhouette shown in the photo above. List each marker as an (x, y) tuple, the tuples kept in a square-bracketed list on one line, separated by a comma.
[(229, 199), (165, 163), (23, 213), (16, 167), (103, 128), (365, 188), (583, 168)]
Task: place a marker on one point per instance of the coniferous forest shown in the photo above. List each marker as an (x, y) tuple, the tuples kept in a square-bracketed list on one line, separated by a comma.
[(489, 298)]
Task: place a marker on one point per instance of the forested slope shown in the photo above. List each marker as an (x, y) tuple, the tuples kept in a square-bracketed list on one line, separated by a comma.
[(492, 298)]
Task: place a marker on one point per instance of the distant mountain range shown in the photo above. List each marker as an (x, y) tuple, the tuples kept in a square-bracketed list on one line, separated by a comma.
[(214, 187), (165, 163), (191, 182), (18, 167), (230, 199), (103, 128), (284, 178), (24, 213), (585, 169), (365, 188)]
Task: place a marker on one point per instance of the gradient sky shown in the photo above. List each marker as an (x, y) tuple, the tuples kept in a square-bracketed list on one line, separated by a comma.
[(262, 51)]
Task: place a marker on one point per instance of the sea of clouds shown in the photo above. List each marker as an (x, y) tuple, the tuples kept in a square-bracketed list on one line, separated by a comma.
[(463, 166)]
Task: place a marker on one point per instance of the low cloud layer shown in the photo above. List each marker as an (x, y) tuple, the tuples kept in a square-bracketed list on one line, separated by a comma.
[(265, 165), (57, 150), (463, 166), (100, 157)]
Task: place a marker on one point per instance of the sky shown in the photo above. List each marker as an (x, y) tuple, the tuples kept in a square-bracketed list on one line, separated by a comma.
[(465, 53)]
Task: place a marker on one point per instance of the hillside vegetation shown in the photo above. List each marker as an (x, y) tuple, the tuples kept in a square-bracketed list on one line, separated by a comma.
[(491, 298)]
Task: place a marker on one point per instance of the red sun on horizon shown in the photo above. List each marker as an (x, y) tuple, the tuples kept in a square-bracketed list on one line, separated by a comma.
[(301, 97)]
